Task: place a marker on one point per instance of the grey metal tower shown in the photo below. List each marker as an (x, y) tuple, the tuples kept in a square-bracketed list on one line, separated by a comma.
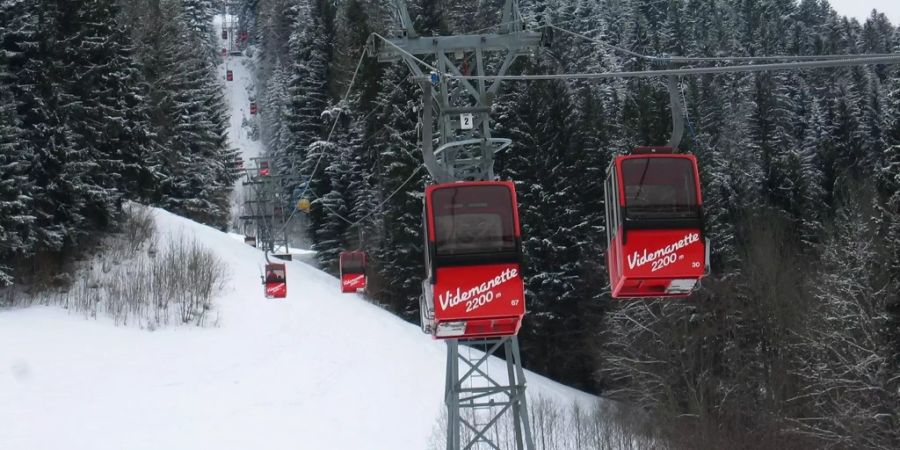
[(264, 210), (458, 113)]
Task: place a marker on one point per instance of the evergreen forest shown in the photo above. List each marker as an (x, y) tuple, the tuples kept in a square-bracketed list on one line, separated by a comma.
[(793, 341)]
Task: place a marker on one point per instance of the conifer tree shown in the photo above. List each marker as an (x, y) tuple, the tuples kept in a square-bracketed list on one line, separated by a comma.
[(15, 155)]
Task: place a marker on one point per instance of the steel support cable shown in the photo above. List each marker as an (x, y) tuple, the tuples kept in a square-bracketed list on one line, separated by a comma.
[(892, 59), (693, 59), (397, 47), (606, 44), (377, 207)]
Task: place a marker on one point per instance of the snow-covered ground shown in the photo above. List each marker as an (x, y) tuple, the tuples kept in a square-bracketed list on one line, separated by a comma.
[(238, 94), (318, 370)]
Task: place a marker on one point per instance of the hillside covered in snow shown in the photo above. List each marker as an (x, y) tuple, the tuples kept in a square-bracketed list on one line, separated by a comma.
[(318, 370)]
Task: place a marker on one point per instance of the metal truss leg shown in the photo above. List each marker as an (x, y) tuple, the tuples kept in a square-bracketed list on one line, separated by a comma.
[(477, 400)]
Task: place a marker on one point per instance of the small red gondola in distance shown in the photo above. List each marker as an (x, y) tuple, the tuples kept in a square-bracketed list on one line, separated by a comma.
[(353, 271), (275, 281), (473, 286), (654, 216), (253, 108), (229, 75), (263, 169)]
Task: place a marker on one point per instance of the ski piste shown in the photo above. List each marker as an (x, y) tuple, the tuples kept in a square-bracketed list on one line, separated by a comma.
[(326, 369)]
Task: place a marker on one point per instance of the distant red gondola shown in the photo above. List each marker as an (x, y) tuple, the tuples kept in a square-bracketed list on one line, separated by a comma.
[(275, 281), (224, 34), (250, 240), (229, 76), (253, 108), (654, 216), (353, 271), (473, 286), (263, 168)]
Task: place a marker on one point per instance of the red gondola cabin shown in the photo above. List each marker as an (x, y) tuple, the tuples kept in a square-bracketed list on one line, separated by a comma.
[(229, 76), (275, 281), (224, 34), (263, 168), (253, 108), (654, 222), (473, 286), (353, 272)]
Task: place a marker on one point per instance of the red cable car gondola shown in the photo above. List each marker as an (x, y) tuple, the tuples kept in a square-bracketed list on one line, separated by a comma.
[(263, 168), (473, 286), (654, 216), (353, 271), (224, 33), (275, 281), (229, 76), (253, 108)]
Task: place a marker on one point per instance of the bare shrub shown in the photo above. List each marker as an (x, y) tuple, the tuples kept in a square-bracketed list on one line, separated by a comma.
[(138, 227), (136, 280), (190, 275), (555, 426)]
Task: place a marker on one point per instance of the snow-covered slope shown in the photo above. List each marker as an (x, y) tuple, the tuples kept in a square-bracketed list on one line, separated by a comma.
[(318, 370)]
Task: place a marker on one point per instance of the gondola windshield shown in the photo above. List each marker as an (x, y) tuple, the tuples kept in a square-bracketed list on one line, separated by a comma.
[(659, 188), (473, 220), (353, 262)]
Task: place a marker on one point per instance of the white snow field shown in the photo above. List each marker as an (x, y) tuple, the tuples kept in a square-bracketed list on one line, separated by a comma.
[(317, 370)]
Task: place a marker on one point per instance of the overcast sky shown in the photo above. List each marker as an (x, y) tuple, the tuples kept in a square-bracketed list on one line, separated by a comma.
[(862, 8)]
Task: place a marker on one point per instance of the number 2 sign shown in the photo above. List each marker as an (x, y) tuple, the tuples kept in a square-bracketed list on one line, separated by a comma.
[(466, 122)]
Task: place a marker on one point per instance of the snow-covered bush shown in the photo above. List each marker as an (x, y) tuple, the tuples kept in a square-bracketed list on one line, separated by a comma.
[(142, 278), (556, 426)]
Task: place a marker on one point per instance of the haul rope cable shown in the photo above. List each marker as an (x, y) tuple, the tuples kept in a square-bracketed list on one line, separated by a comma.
[(377, 133), (328, 138)]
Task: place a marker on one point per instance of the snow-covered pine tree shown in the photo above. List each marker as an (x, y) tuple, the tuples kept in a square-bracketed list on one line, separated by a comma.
[(189, 120), (15, 153), (397, 256), (273, 123), (197, 16), (59, 168), (310, 50), (330, 220), (107, 110)]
